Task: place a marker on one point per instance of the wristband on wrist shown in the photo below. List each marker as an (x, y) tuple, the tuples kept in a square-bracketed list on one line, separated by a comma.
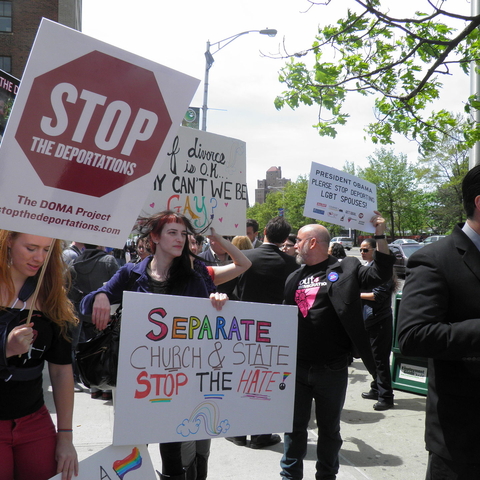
[(61, 430), (379, 237)]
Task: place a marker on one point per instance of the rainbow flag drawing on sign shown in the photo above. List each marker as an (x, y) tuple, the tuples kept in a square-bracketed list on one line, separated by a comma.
[(129, 463)]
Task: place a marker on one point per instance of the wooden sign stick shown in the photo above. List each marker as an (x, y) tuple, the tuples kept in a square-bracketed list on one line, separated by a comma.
[(40, 278)]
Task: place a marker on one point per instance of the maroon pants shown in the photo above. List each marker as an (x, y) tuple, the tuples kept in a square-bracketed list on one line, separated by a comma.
[(27, 447)]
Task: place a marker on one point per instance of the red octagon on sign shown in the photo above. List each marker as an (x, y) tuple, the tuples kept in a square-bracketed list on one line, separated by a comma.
[(93, 124)]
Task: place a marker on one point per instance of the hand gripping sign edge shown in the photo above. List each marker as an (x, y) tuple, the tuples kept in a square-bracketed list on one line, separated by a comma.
[(93, 124)]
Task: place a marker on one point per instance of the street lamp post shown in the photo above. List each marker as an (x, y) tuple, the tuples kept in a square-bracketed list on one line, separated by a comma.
[(474, 158), (209, 62)]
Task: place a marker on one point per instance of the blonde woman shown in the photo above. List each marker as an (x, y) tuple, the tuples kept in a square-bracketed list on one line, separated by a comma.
[(242, 242), (29, 445)]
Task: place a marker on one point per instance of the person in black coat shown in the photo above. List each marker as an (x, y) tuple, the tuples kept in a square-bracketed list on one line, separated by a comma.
[(378, 318), (330, 329), (439, 318), (264, 282), (252, 232)]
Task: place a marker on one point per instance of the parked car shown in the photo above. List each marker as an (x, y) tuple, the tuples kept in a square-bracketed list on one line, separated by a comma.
[(433, 238), (345, 241), (404, 240), (402, 252)]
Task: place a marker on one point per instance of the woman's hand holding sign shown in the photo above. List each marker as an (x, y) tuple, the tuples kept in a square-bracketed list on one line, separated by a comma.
[(19, 340)]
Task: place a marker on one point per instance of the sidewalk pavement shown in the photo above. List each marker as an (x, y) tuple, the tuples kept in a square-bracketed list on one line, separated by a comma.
[(376, 445)]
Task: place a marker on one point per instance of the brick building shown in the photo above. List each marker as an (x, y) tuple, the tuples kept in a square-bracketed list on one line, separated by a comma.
[(19, 22), (272, 183)]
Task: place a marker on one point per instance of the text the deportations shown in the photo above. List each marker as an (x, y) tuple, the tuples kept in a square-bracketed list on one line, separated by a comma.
[(84, 142)]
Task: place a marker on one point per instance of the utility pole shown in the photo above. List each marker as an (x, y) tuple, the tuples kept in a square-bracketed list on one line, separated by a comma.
[(475, 90)]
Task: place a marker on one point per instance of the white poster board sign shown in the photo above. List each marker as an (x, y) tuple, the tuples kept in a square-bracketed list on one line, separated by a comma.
[(188, 372), (205, 179), (337, 197), (115, 463), (8, 91), (86, 137)]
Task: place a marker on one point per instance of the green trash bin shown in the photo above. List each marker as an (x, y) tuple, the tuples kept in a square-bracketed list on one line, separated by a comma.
[(409, 374)]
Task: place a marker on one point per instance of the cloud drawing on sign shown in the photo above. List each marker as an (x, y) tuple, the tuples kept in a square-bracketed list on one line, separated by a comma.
[(188, 427), (206, 413)]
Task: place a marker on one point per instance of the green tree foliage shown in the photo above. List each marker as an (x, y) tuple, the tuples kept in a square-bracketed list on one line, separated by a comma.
[(398, 198), (445, 211), (292, 201), (263, 212), (398, 60), (349, 167), (442, 172), (415, 199)]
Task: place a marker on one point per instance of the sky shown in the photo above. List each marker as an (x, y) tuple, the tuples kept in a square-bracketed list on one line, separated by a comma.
[(243, 81)]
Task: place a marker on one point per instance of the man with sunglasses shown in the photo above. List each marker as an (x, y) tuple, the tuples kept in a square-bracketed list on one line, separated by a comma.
[(378, 318), (330, 329)]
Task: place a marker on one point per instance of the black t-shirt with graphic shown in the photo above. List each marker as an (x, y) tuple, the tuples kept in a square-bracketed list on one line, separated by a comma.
[(20, 398), (321, 336)]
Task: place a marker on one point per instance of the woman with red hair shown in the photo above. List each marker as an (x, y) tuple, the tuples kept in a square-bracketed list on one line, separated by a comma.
[(168, 271)]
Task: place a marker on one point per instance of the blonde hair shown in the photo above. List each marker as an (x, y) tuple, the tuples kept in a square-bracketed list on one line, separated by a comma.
[(52, 295), (242, 242)]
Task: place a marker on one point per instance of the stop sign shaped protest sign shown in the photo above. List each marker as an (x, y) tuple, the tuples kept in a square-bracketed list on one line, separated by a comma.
[(93, 124)]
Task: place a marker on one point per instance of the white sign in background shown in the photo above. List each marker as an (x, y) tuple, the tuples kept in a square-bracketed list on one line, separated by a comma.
[(204, 178), (88, 133), (341, 198), (115, 463), (189, 372)]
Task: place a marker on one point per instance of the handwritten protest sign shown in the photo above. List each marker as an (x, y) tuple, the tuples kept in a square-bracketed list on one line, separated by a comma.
[(89, 130), (188, 372), (115, 463), (340, 198), (8, 91), (205, 179)]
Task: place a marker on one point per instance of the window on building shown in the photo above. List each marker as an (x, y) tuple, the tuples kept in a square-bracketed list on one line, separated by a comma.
[(6, 64), (6, 17)]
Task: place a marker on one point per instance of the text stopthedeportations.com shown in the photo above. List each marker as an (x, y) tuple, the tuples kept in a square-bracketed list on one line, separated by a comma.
[(50, 220)]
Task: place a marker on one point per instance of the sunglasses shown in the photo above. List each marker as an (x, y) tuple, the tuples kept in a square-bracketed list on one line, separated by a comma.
[(365, 250)]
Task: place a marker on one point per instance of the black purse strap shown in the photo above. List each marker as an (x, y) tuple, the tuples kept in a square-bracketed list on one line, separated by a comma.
[(8, 372), (27, 289)]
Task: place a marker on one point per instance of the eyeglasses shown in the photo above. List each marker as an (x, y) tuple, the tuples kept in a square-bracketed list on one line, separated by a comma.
[(288, 245), (365, 250)]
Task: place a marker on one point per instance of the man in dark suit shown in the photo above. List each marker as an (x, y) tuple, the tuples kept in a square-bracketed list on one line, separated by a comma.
[(439, 318), (264, 282), (252, 232)]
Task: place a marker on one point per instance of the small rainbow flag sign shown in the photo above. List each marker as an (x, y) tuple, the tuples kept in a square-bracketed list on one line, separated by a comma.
[(129, 463)]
